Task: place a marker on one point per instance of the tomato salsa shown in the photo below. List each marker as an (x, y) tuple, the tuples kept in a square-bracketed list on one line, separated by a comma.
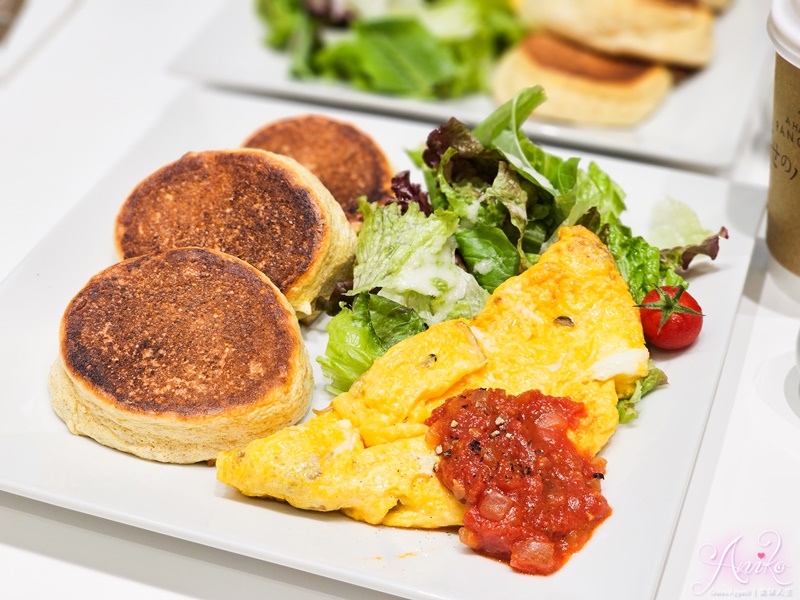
[(532, 499)]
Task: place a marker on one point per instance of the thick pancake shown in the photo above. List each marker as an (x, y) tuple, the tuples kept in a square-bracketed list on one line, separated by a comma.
[(347, 161), (666, 31), (177, 355), (582, 85), (264, 208)]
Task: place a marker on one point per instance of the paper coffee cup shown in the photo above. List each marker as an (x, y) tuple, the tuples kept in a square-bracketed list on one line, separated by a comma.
[(783, 198)]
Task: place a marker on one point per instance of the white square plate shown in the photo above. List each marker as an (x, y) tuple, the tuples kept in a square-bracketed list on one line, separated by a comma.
[(699, 126), (649, 460), (34, 24)]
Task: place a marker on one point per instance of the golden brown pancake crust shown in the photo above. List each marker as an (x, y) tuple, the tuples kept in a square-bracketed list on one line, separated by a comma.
[(347, 161), (560, 55), (239, 202), (189, 332)]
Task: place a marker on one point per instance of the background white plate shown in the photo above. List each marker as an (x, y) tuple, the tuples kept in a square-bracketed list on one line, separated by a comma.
[(699, 126), (35, 23), (649, 461)]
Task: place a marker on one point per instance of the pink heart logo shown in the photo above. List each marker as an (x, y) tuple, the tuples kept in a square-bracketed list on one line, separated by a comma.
[(761, 555)]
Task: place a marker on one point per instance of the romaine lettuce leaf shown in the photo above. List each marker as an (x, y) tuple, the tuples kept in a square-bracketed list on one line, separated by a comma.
[(627, 406), (352, 347), (488, 254), (360, 334), (638, 262), (674, 223), (410, 258)]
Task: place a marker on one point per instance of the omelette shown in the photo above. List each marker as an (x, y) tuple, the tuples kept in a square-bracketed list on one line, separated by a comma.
[(567, 326)]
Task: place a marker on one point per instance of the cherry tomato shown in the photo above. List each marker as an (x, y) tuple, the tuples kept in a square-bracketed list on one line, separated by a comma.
[(671, 318)]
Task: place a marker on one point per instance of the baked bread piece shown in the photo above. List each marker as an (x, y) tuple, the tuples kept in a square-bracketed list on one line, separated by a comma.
[(178, 355), (582, 86), (667, 31), (716, 5), (264, 208), (347, 161)]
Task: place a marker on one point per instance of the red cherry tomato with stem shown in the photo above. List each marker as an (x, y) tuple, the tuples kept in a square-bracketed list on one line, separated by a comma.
[(671, 317)]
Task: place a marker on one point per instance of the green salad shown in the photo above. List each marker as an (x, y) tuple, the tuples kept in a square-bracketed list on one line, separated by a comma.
[(494, 202), (409, 48)]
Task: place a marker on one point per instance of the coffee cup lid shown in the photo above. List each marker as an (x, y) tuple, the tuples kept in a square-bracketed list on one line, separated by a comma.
[(783, 27)]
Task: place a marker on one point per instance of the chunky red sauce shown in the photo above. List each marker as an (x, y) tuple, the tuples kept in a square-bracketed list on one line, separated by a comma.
[(532, 499)]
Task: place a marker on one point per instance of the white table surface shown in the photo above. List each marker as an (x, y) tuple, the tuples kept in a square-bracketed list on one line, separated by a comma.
[(72, 105)]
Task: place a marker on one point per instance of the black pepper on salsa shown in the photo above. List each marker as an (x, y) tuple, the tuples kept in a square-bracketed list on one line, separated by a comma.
[(532, 499)]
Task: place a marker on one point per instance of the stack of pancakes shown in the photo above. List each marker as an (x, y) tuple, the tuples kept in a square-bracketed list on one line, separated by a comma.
[(191, 344), (606, 62)]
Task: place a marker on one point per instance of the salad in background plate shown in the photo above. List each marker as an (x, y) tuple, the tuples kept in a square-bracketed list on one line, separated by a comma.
[(433, 49)]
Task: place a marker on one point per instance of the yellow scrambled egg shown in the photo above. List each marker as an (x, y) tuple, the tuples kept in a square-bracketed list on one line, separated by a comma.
[(567, 326)]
